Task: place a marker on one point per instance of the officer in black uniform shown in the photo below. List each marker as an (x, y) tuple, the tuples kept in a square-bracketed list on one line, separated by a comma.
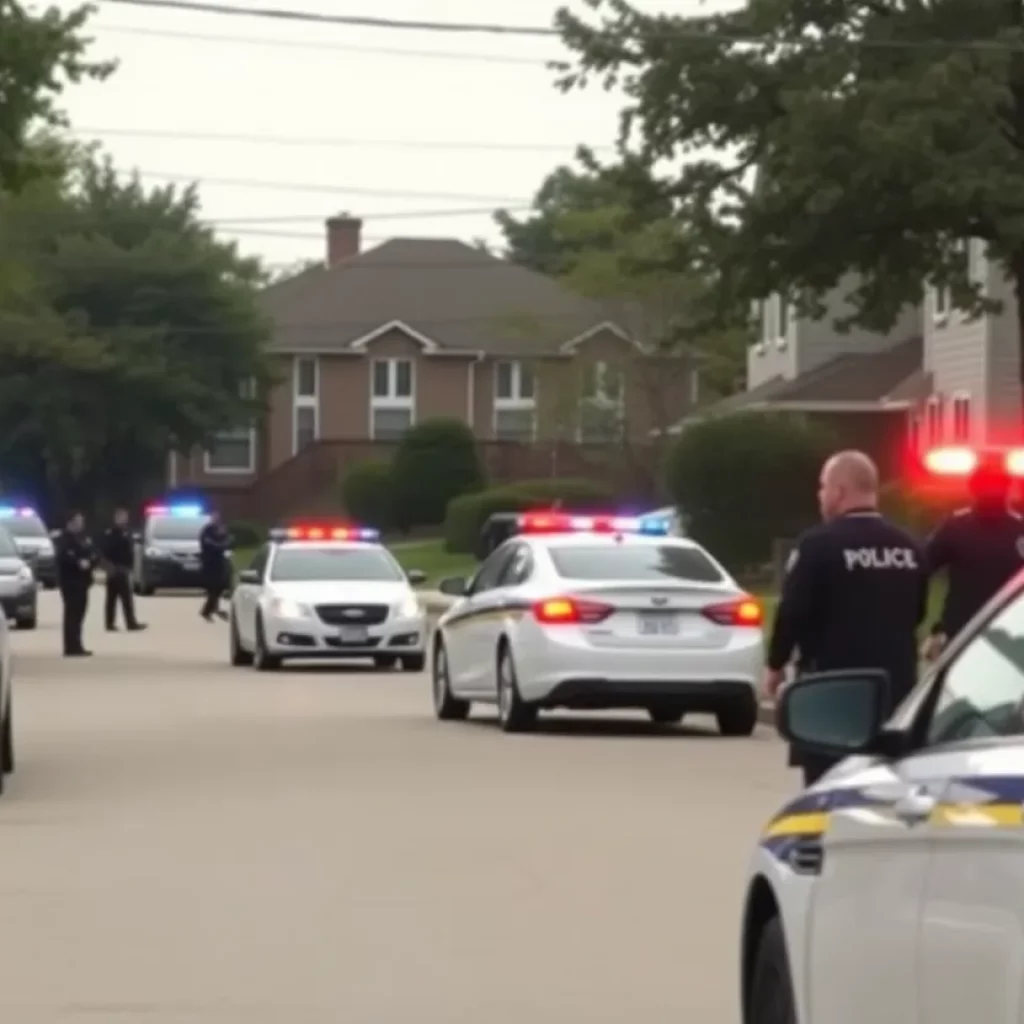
[(979, 548), (118, 551), (214, 543), (76, 560), (855, 592)]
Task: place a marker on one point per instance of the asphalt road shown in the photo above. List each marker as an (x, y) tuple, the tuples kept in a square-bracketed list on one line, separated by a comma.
[(187, 843)]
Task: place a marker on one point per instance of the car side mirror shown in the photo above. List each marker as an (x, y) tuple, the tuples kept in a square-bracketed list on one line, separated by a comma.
[(454, 586), (834, 714), (416, 577), (249, 576)]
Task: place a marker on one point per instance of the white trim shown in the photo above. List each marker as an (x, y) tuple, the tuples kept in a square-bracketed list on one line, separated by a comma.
[(798, 406), (305, 401), (955, 398), (393, 401), (934, 402), (427, 344), (572, 344), (236, 470), (515, 403)]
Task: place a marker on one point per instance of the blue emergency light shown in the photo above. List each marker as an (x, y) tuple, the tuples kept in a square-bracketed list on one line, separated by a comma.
[(8, 512), (183, 511)]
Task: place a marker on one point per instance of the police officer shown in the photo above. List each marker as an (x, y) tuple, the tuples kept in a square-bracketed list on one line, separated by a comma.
[(76, 560), (856, 589), (979, 548), (214, 542), (118, 551)]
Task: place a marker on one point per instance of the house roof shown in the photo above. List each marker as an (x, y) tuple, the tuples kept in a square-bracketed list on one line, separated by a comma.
[(447, 295)]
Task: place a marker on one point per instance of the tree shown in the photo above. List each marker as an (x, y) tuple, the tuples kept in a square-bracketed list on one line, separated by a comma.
[(882, 134), (39, 54), (126, 331)]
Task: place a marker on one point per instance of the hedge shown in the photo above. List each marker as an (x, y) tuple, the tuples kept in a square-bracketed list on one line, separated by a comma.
[(466, 515), (245, 534), (368, 493)]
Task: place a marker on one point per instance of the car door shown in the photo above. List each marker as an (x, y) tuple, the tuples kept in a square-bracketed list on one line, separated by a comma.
[(245, 599), (466, 631), (972, 919), (514, 573)]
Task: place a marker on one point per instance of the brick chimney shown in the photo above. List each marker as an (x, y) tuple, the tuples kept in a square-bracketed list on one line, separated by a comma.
[(343, 234)]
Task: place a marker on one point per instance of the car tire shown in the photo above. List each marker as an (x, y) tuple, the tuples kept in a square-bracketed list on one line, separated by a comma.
[(383, 661), (413, 662), (514, 714), (665, 716), (239, 655), (29, 622), (7, 742), (49, 586), (738, 718), (447, 708), (771, 984), (263, 661)]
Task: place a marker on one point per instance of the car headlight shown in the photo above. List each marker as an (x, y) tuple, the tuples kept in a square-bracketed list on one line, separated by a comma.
[(408, 607), (25, 574), (155, 553), (286, 608)]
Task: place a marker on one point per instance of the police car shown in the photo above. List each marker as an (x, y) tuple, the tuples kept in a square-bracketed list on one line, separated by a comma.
[(326, 592), (167, 549), (893, 889), (605, 612), (34, 543), (18, 587), (6, 703)]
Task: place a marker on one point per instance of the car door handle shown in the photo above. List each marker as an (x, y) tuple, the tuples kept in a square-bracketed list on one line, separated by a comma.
[(915, 807)]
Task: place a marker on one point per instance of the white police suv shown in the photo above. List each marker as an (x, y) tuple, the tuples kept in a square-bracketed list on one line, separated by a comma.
[(599, 612), (892, 891), (326, 592)]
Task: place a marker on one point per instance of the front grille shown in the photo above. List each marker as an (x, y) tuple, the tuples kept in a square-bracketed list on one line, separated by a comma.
[(352, 614)]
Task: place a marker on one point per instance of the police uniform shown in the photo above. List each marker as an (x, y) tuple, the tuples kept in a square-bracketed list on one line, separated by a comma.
[(214, 542), (980, 549), (855, 591), (76, 560), (118, 550)]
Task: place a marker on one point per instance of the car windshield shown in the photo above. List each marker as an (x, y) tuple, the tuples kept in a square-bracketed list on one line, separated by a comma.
[(639, 563), (294, 564), (8, 549), (25, 526), (176, 528)]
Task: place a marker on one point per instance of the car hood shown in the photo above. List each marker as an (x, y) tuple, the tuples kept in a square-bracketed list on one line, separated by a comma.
[(11, 566), (343, 592), (34, 545)]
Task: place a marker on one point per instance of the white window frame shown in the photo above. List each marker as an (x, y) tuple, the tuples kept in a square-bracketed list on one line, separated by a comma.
[(601, 400), (392, 400), (960, 400), (783, 312), (516, 402), (234, 435), (300, 401), (915, 430), (935, 427)]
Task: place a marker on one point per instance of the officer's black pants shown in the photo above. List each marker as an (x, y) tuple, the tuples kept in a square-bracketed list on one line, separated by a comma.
[(213, 586), (76, 603), (814, 767), (119, 590)]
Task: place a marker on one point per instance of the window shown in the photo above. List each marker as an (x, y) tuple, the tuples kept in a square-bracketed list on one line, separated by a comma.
[(982, 691), (518, 570), (514, 401), (934, 419), (294, 564), (232, 451), (490, 572), (602, 410), (305, 402), (514, 424), (392, 399), (513, 382), (635, 563), (961, 417)]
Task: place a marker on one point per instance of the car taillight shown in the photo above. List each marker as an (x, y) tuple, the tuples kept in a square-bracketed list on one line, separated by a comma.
[(570, 610), (743, 612)]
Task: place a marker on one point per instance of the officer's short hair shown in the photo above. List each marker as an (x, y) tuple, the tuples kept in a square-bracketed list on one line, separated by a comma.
[(855, 469)]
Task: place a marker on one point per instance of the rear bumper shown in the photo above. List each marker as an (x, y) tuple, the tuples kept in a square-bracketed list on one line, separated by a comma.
[(167, 574), (593, 693)]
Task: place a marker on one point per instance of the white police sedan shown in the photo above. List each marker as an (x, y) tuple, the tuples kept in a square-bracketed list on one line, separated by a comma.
[(892, 890), (326, 592), (589, 613)]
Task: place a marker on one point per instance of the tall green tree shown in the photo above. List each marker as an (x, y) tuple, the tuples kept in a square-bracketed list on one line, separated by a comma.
[(127, 330), (40, 52), (882, 133)]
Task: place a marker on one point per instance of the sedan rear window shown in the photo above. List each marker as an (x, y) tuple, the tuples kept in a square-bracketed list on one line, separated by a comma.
[(635, 563)]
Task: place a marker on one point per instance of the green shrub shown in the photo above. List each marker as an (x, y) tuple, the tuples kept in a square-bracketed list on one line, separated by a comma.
[(436, 461), (747, 480), (921, 510), (368, 493), (247, 534), (467, 515)]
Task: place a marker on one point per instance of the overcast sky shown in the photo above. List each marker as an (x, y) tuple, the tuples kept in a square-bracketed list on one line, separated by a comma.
[(383, 104)]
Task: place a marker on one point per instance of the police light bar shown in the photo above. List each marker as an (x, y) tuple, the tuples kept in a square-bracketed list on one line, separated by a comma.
[(324, 533), (185, 511), (9, 512), (963, 461), (559, 522)]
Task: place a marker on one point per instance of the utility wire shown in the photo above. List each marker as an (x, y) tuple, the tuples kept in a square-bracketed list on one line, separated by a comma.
[(318, 218)]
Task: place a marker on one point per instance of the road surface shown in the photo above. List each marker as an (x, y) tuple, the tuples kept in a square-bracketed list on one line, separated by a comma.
[(187, 843)]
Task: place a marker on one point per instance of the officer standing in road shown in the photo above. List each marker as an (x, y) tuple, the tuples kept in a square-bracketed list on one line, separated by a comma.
[(76, 560), (855, 592), (214, 542), (979, 548), (118, 551)]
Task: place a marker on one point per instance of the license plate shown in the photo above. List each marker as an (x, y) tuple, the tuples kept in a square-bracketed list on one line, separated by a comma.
[(353, 634), (658, 625)]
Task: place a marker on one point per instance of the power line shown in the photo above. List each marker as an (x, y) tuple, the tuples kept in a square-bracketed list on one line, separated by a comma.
[(318, 218), (285, 140), (338, 190)]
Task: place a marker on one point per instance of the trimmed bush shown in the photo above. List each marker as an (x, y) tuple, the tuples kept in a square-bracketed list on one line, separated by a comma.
[(436, 461), (246, 534), (467, 515), (920, 510), (368, 493), (748, 480)]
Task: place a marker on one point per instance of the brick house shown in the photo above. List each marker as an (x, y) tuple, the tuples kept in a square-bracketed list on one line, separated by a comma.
[(374, 341)]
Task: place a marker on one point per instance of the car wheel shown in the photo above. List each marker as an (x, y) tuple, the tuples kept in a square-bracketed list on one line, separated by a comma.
[(413, 662), (446, 707), (28, 622), (514, 714), (239, 655), (665, 716), (264, 661), (771, 987), (7, 742), (738, 718), (384, 661)]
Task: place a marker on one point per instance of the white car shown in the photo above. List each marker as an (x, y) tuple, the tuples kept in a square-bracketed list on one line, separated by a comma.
[(591, 613), (316, 592), (892, 890), (6, 702)]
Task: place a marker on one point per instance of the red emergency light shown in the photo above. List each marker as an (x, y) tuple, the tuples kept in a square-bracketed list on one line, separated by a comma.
[(311, 532), (962, 461), (560, 522)]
